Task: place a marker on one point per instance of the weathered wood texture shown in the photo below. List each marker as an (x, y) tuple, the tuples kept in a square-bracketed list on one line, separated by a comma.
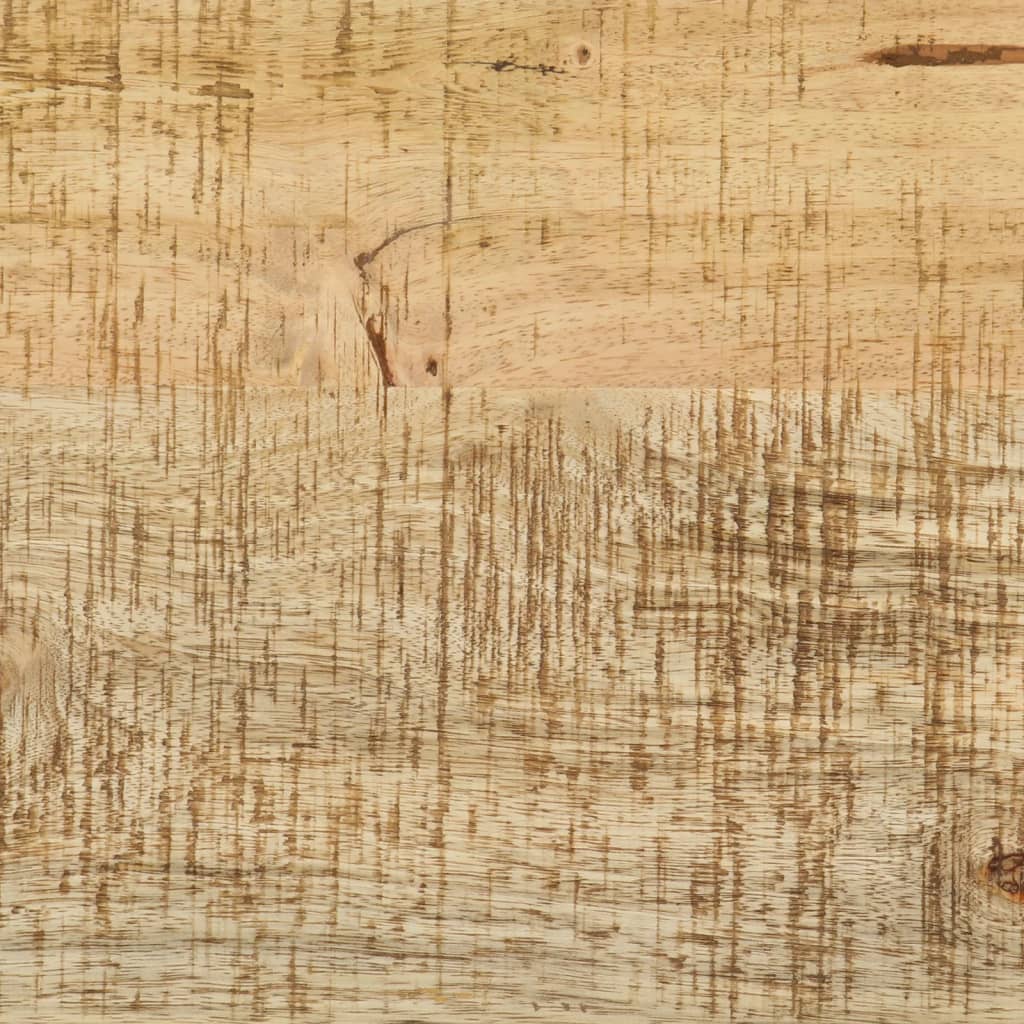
[(508, 194), (682, 707), (525, 696)]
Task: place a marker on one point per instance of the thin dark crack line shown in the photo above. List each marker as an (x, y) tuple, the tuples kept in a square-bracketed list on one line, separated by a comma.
[(511, 64), (364, 259), (378, 347)]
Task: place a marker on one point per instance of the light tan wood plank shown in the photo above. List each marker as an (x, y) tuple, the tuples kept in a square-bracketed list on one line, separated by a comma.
[(536, 692), (506, 195), (682, 705)]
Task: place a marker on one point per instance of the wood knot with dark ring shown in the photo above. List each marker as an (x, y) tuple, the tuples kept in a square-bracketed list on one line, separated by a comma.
[(1005, 871)]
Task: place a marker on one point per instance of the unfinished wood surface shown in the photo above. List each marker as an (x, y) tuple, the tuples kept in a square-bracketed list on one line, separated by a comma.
[(538, 693), (512, 194), (679, 706)]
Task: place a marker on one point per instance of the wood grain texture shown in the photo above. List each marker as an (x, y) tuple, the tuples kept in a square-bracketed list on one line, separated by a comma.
[(658, 659), (507, 195)]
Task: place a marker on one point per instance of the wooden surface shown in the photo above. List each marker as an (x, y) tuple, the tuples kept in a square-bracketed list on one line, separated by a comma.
[(660, 660)]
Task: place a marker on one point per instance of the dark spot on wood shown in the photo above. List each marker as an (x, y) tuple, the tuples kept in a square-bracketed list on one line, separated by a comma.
[(934, 55), (583, 55), (226, 90), (432, 367), (1005, 871)]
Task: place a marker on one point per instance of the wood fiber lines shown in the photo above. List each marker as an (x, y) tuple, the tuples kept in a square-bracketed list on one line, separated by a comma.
[(511, 511), (675, 706), (507, 195)]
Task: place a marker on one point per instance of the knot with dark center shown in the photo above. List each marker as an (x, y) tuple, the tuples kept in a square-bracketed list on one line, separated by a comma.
[(1005, 870)]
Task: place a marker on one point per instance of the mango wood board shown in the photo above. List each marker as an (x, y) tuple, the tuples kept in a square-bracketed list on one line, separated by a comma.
[(511, 511)]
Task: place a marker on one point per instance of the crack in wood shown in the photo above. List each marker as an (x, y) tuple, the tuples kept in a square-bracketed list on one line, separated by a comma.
[(364, 259), (377, 336), (511, 64)]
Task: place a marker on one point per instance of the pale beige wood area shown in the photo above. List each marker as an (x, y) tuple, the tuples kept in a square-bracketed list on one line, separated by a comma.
[(508, 194), (674, 706), (660, 661)]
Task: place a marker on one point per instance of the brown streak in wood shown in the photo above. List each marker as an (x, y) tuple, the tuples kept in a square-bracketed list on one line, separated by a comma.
[(931, 55)]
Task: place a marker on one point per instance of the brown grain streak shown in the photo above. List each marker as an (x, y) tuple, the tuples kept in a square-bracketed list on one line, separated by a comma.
[(933, 55)]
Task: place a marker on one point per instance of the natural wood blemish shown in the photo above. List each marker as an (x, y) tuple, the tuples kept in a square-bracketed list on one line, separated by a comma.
[(935, 55), (226, 90), (510, 63), (376, 332), (535, 699), (1005, 871)]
